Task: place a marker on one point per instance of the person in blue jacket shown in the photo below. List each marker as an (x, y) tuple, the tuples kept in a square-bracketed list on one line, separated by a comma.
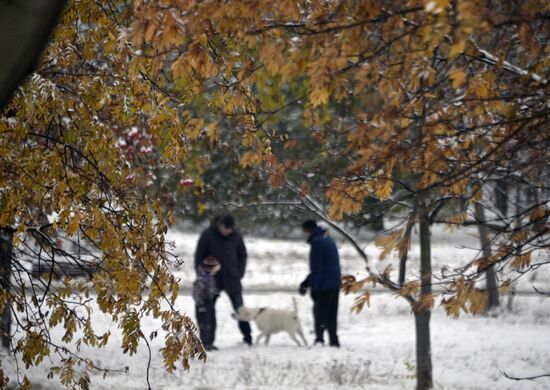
[(324, 281)]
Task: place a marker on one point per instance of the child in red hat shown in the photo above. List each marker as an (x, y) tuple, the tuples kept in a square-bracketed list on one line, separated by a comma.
[(204, 294)]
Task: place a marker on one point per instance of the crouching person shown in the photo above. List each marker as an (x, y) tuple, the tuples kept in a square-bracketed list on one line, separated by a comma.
[(205, 294), (324, 280)]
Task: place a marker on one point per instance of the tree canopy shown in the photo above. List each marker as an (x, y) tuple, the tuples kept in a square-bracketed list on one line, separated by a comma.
[(426, 102)]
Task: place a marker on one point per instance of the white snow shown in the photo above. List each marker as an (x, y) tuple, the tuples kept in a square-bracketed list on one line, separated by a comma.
[(378, 345), (283, 264), (133, 132)]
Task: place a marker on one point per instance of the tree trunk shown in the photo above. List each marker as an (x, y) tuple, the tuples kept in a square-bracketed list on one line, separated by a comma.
[(518, 211), (501, 196), (377, 225), (422, 315), (6, 251), (405, 254), (492, 288)]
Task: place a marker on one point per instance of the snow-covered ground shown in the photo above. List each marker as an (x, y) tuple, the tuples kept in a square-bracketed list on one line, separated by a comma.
[(377, 352), (378, 345)]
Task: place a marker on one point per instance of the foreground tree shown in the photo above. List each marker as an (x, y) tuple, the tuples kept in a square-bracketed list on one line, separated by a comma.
[(421, 99), (70, 197)]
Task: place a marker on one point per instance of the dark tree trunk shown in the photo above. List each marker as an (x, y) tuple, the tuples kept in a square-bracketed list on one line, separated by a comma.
[(405, 254), (6, 252), (377, 225), (501, 196), (25, 26), (422, 316), (518, 211), (492, 288)]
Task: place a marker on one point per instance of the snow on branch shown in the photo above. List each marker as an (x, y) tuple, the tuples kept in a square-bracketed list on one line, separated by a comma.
[(491, 59)]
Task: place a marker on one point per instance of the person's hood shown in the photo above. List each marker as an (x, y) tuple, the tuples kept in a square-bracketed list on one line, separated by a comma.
[(318, 231), (214, 227)]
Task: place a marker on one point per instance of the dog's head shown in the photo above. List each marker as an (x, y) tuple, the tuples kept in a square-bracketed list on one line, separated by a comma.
[(243, 314)]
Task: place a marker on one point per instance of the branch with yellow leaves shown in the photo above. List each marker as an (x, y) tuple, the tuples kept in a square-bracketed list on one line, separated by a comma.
[(303, 28)]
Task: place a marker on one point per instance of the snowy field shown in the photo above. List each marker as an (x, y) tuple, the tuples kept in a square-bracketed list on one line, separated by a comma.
[(283, 264), (377, 345)]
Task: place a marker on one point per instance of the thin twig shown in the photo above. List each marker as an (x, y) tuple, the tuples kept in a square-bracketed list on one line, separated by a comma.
[(526, 378)]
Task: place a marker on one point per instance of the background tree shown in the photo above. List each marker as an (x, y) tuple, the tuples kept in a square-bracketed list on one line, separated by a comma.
[(422, 100)]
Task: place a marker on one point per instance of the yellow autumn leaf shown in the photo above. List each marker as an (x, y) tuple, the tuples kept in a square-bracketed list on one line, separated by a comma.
[(347, 283), (318, 96), (384, 189), (478, 301), (250, 159), (505, 287), (213, 131), (457, 77), (410, 288), (457, 49), (425, 303), (73, 225), (521, 261), (360, 302)]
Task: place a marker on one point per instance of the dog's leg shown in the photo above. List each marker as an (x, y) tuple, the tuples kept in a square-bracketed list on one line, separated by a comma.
[(293, 337), (267, 337), (301, 334), (259, 338)]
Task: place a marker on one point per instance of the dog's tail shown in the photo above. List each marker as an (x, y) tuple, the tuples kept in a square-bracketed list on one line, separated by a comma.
[(295, 304)]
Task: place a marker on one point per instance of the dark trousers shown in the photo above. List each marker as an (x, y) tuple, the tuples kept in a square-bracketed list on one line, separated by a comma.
[(206, 319), (325, 314)]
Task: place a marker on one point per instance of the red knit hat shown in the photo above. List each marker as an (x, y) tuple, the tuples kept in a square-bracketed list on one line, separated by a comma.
[(211, 265)]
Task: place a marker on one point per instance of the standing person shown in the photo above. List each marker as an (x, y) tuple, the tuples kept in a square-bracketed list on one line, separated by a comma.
[(222, 242), (324, 280), (204, 294)]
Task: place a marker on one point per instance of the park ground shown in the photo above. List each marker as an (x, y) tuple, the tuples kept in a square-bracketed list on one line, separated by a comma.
[(378, 345)]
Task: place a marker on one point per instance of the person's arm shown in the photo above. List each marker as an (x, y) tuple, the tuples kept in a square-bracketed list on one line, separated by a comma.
[(202, 250), (241, 255), (304, 286), (316, 263)]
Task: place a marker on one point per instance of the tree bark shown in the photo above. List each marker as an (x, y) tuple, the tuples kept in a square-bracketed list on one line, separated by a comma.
[(25, 26), (378, 225), (518, 211), (501, 196), (405, 254), (6, 252), (424, 379), (492, 289)]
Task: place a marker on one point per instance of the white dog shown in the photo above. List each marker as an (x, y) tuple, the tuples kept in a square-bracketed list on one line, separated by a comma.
[(271, 321)]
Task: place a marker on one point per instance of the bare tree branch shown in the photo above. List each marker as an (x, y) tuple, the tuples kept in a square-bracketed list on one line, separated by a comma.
[(526, 378), (546, 294)]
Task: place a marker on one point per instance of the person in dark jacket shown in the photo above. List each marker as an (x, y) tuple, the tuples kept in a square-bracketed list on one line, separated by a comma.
[(324, 280), (222, 242)]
